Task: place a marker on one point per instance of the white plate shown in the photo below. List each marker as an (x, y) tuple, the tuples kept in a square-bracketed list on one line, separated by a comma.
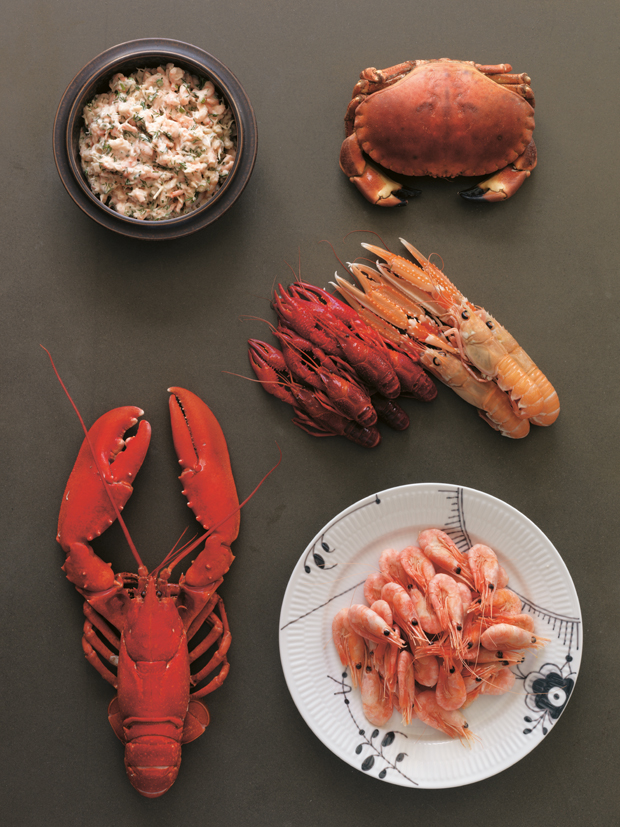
[(330, 575)]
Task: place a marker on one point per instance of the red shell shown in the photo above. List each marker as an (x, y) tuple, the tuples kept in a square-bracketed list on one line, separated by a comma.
[(443, 119)]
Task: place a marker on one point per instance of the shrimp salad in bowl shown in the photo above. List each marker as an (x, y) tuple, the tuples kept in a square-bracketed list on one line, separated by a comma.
[(158, 145)]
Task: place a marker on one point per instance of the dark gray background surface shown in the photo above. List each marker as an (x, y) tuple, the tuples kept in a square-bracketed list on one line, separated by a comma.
[(125, 320)]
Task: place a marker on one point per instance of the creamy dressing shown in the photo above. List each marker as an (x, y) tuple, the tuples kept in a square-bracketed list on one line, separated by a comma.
[(159, 144)]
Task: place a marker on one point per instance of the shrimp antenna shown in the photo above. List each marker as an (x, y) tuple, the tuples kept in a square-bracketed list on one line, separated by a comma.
[(372, 232)]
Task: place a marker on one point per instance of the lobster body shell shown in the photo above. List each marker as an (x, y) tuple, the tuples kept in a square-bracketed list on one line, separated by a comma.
[(149, 712), (149, 621)]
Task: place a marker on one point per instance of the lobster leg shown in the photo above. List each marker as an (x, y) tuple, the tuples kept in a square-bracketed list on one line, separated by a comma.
[(94, 647), (210, 489), (218, 657)]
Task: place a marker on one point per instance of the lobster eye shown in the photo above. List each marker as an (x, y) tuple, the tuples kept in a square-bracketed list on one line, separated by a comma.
[(465, 314), (490, 325), (158, 593), (436, 361), (143, 594)]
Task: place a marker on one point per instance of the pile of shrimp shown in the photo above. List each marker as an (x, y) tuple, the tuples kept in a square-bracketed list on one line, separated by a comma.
[(440, 628)]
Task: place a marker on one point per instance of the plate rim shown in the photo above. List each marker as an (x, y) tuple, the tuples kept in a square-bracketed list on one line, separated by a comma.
[(284, 622)]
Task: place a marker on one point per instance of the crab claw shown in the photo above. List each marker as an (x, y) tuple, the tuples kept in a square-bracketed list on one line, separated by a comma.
[(507, 181), (86, 509), (207, 482), (498, 188), (374, 185)]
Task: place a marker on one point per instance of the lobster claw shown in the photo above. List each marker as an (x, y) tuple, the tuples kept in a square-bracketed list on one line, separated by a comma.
[(86, 509), (208, 483)]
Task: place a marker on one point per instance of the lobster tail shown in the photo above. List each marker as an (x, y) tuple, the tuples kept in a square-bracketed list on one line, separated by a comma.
[(152, 763)]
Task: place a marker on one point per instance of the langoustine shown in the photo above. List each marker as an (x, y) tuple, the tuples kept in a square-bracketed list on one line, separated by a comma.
[(460, 343)]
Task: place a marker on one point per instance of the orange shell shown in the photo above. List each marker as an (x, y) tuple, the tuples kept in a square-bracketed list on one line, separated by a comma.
[(444, 119)]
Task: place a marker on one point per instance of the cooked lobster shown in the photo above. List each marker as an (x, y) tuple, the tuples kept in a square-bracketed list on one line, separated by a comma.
[(140, 628)]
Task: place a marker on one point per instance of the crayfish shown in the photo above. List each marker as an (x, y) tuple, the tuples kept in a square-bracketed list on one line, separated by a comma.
[(140, 628)]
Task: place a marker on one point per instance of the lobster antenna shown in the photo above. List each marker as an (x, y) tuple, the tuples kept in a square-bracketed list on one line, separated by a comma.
[(183, 552), (132, 547)]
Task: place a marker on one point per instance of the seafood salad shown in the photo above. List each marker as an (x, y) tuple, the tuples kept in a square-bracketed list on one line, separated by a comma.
[(159, 144)]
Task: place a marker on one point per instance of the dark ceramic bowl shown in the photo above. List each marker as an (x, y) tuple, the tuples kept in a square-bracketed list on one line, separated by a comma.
[(94, 78)]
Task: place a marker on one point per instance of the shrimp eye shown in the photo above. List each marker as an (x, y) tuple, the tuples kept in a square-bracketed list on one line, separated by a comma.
[(459, 628), (491, 587), (478, 680), (386, 632), (457, 570), (464, 315), (410, 586), (465, 725), (505, 663), (470, 644), (415, 623), (452, 670), (490, 325), (500, 655), (436, 361), (368, 669), (358, 665)]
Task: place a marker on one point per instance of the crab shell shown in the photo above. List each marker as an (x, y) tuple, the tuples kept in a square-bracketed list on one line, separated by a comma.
[(443, 119)]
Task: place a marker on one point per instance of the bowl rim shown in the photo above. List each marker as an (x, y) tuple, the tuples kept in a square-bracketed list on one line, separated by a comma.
[(70, 110)]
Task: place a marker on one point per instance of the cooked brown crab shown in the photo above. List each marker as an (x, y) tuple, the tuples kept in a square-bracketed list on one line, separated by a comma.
[(441, 118)]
